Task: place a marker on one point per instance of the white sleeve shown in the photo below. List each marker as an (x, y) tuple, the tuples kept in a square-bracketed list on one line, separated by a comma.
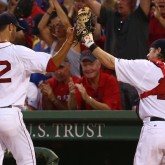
[(133, 72), (33, 62)]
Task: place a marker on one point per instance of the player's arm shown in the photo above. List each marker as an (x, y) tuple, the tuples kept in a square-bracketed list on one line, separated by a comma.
[(105, 58)]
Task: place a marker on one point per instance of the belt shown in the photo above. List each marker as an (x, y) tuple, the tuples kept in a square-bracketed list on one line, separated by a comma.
[(9, 106), (156, 119)]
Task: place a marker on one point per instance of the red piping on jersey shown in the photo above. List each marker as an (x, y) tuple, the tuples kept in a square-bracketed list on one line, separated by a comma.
[(51, 67), (160, 89)]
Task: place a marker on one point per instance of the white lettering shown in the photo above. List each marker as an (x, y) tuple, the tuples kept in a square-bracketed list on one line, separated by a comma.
[(41, 128), (78, 130), (91, 132), (100, 126), (57, 126), (68, 128)]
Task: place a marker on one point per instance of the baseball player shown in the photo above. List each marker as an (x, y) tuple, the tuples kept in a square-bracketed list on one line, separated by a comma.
[(148, 77), (16, 65)]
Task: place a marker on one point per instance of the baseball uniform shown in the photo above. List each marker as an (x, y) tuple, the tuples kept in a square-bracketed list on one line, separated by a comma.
[(144, 76), (16, 65)]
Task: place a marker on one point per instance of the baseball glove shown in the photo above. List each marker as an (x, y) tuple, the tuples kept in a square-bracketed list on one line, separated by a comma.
[(85, 23)]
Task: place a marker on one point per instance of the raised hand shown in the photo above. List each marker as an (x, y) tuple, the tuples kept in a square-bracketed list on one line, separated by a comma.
[(84, 23), (72, 86), (70, 35), (46, 90), (51, 4), (82, 90), (156, 10), (88, 40)]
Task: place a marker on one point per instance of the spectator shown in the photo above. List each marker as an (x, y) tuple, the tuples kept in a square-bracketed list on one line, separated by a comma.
[(56, 37), (55, 91), (25, 11), (126, 29), (33, 98), (39, 45), (96, 90), (157, 21), (3, 5)]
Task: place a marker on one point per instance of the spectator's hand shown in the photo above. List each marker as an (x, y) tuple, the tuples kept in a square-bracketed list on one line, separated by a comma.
[(46, 90), (71, 86), (156, 10), (86, 1), (51, 4), (82, 90)]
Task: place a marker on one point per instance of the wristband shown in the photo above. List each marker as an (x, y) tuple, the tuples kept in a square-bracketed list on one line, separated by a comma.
[(93, 47)]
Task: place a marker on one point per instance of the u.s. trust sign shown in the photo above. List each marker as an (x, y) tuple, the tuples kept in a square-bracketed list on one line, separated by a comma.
[(82, 125)]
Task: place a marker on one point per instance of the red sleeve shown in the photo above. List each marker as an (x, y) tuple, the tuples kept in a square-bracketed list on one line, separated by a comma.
[(51, 67)]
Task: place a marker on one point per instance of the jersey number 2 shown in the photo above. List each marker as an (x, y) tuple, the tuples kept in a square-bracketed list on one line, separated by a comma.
[(5, 70)]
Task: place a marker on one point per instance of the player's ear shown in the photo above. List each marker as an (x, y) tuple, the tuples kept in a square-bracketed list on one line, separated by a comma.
[(10, 27), (159, 49)]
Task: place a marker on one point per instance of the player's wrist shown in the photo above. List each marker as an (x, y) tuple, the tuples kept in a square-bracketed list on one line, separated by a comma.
[(92, 47), (88, 45)]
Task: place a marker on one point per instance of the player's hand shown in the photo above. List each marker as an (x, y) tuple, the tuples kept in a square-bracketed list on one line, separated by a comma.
[(85, 26), (70, 35), (87, 40), (82, 90)]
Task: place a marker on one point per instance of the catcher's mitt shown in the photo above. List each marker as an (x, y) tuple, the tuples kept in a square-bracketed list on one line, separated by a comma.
[(84, 24)]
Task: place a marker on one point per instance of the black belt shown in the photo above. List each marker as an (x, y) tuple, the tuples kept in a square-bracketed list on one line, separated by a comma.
[(9, 106), (156, 119)]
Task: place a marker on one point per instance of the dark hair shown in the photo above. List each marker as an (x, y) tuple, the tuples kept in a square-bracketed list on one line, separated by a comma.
[(162, 55), (36, 20), (24, 8), (2, 27), (159, 43)]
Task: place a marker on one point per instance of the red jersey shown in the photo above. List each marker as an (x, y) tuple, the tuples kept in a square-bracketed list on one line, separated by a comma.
[(108, 92), (61, 90), (35, 11), (156, 30)]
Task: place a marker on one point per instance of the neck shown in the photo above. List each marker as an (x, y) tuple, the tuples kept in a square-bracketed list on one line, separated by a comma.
[(94, 81), (4, 37)]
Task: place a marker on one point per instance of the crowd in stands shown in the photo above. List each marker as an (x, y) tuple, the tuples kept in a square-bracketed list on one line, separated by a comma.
[(124, 28)]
